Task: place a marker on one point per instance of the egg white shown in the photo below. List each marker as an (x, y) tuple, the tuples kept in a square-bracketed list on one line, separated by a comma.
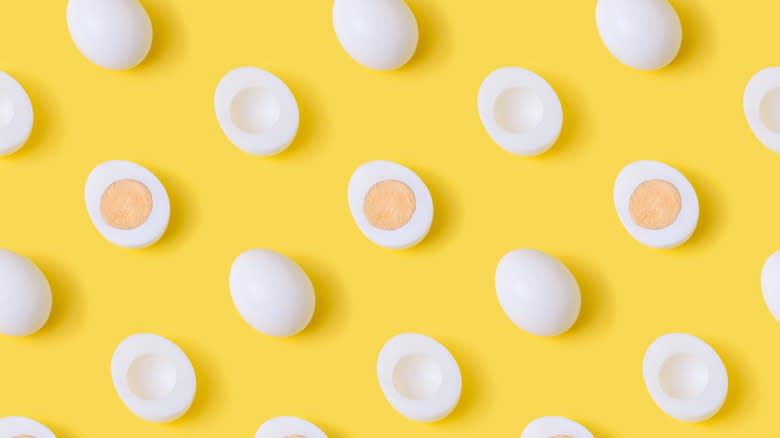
[(20, 426), (16, 115), (548, 427), (25, 295), (281, 427), (763, 93)]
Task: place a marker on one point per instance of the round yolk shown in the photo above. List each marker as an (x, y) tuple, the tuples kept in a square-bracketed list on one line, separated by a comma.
[(295, 436), (23, 436), (562, 436), (126, 204), (389, 205), (655, 204)]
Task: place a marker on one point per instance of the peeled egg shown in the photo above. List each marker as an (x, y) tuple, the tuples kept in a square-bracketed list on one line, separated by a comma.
[(379, 34), (271, 292), (256, 110), (537, 292), (685, 377), (127, 204), (390, 204), (20, 427), (114, 34), (643, 34), (555, 427), (289, 427), (656, 204), (770, 284), (520, 111), (419, 377), (153, 377), (762, 107), (16, 115), (25, 295)]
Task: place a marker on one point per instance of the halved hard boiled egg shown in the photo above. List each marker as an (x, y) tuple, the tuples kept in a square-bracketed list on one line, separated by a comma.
[(770, 284), (762, 107), (20, 427), (256, 110), (153, 377), (25, 295), (520, 111), (656, 204), (390, 204), (289, 427), (127, 204), (555, 427), (685, 377), (419, 377), (16, 115)]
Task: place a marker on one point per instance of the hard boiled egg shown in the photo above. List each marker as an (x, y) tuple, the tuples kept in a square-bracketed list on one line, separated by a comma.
[(20, 427), (419, 377), (762, 107), (537, 292), (25, 295), (643, 34), (770, 284), (656, 204), (555, 427), (685, 377), (16, 115), (289, 427), (379, 34), (271, 292), (153, 377)]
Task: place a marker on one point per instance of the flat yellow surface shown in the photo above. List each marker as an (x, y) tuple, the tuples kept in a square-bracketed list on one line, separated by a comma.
[(487, 202)]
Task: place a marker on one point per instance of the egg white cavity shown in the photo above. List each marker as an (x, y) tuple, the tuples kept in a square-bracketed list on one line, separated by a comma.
[(419, 377), (643, 34), (685, 377), (271, 292), (770, 284), (413, 231), (379, 34), (520, 111), (16, 115), (153, 228), (114, 34), (762, 107), (11, 427), (153, 377), (687, 219), (282, 427), (257, 111), (25, 295), (549, 427)]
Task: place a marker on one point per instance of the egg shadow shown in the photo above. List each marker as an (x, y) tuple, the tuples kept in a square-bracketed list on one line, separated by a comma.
[(739, 387), (574, 117), (598, 304), (712, 216), (697, 31), (60, 430), (473, 391), (331, 308), (67, 307), (169, 43), (447, 215), (435, 35), (312, 118), (207, 394), (44, 107), (185, 214)]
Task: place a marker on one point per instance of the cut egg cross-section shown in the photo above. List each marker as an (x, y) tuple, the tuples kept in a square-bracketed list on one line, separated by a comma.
[(770, 284), (656, 204), (127, 204), (390, 204), (762, 107), (289, 427), (16, 115), (555, 427), (20, 427)]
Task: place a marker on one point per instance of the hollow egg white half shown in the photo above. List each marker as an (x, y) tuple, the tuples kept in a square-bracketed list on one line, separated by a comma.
[(656, 204), (770, 284), (153, 377), (114, 34), (685, 377), (21, 427), (25, 295), (289, 427), (643, 34), (419, 377), (379, 34), (555, 427), (537, 292), (16, 115), (762, 107)]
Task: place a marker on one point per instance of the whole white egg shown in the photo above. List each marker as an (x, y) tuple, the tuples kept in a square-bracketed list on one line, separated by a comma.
[(643, 34), (114, 34), (537, 292), (25, 295), (271, 292), (379, 34)]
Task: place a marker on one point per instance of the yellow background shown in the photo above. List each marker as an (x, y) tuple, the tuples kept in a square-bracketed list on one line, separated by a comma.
[(487, 202)]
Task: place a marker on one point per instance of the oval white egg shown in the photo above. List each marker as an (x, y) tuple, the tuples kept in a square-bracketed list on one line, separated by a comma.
[(379, 34), (520, 111), (537, 292), (114, 34), (289, 427), (20, 427), (762, 107), (256, 110), (390, 204), (127, 204), (643, 34), (419, 377), (153, 377), (770, 284), (656, 204), (685, 377), (555, 427), (25, 295), (271, 292), (16, 115)]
